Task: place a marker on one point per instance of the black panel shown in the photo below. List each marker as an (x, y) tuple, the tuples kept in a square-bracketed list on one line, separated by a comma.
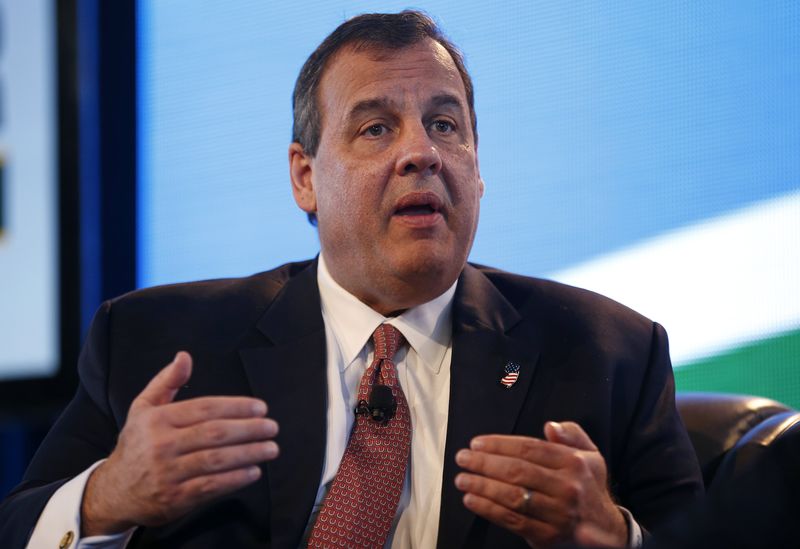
[(117, 93)]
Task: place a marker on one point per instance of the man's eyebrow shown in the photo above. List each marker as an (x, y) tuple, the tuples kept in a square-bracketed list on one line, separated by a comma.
[(369, 105), (446, 100), (385, 104)]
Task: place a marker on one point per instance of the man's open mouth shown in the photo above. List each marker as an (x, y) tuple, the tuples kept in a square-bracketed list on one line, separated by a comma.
[(416, 210), (418, 203)]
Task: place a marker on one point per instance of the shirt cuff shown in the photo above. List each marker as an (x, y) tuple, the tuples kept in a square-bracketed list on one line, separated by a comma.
[(634, 530), (59, 525)]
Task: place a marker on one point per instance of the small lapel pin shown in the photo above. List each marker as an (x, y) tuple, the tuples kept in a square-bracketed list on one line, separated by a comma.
[(511, 374)]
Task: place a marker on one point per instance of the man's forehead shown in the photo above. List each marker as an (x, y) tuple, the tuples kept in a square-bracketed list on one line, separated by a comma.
[(357, 68)]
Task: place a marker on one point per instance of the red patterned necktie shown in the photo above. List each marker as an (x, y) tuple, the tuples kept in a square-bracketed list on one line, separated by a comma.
[(359, 508)]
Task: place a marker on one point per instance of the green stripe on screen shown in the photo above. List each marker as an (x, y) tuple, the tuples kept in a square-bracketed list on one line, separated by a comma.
[(768, 368)]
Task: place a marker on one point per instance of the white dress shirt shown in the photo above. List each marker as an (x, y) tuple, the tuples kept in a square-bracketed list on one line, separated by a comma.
[(423, 368)]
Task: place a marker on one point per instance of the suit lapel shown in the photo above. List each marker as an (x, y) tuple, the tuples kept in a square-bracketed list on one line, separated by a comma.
[(289, 373), (479, 404)]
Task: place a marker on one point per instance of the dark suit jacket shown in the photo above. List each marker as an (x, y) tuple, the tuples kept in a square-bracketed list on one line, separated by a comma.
[(583, 358)]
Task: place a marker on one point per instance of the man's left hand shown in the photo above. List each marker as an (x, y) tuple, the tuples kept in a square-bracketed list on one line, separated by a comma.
[(541, 490)]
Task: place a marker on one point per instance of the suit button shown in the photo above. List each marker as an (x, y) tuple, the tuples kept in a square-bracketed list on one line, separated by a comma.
[(66, 540)]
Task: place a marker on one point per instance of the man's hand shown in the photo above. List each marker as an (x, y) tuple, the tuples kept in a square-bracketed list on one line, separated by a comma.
[(173, 456), (541, 490)]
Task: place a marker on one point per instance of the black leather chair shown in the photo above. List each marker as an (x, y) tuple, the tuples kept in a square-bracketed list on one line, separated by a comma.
[(729, 431)]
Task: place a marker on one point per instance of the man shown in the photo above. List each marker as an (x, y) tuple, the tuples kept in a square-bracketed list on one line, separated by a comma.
[(384, 161)]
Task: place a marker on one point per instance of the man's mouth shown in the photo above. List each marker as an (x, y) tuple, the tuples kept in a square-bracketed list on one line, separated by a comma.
[(423, 209), (419, 211), (418, 203)]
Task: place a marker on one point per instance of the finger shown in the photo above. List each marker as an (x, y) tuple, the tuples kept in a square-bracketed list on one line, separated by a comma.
[(510, 470), (163, 387), (227, 458), (530, 449), (206, 488), (530, 528), (201, 409), (569, 434), (540, 506), (225, 432)]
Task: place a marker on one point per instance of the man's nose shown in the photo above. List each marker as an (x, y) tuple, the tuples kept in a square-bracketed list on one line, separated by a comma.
[(418, 154)]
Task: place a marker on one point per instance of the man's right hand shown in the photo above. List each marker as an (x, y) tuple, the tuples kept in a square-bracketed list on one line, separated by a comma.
[(173, 456)]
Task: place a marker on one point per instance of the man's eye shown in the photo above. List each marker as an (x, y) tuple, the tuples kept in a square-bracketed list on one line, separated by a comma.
[(443, 126), (376, 130)]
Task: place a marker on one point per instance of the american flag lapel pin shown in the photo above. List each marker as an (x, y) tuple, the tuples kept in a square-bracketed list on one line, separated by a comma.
[(510, 374)]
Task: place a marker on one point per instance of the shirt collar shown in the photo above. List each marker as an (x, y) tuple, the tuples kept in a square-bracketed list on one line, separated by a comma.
[(427, 327)]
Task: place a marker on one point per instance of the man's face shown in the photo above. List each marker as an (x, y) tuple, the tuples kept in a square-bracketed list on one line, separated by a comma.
[(395, 182)]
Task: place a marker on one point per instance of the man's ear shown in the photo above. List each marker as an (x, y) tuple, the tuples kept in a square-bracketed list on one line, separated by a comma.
[(482, 188), (302, 183)]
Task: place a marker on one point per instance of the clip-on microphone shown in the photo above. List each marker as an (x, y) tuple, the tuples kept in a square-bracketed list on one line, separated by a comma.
[(381, 406)]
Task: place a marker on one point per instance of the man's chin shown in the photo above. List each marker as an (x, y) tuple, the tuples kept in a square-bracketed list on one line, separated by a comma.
[(428, 267)]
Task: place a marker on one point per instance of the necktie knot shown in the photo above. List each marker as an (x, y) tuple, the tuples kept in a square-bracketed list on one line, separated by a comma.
[(387, 340)]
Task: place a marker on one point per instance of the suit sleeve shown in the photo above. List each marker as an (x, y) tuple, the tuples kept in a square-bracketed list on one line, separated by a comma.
[(659, 467), (85, 433)]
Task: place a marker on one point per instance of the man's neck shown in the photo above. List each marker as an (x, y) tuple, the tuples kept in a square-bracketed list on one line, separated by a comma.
[(389, 299)]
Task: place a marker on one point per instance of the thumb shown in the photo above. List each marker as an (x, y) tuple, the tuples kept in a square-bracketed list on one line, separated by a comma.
[(164, 386), (569, 434)]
